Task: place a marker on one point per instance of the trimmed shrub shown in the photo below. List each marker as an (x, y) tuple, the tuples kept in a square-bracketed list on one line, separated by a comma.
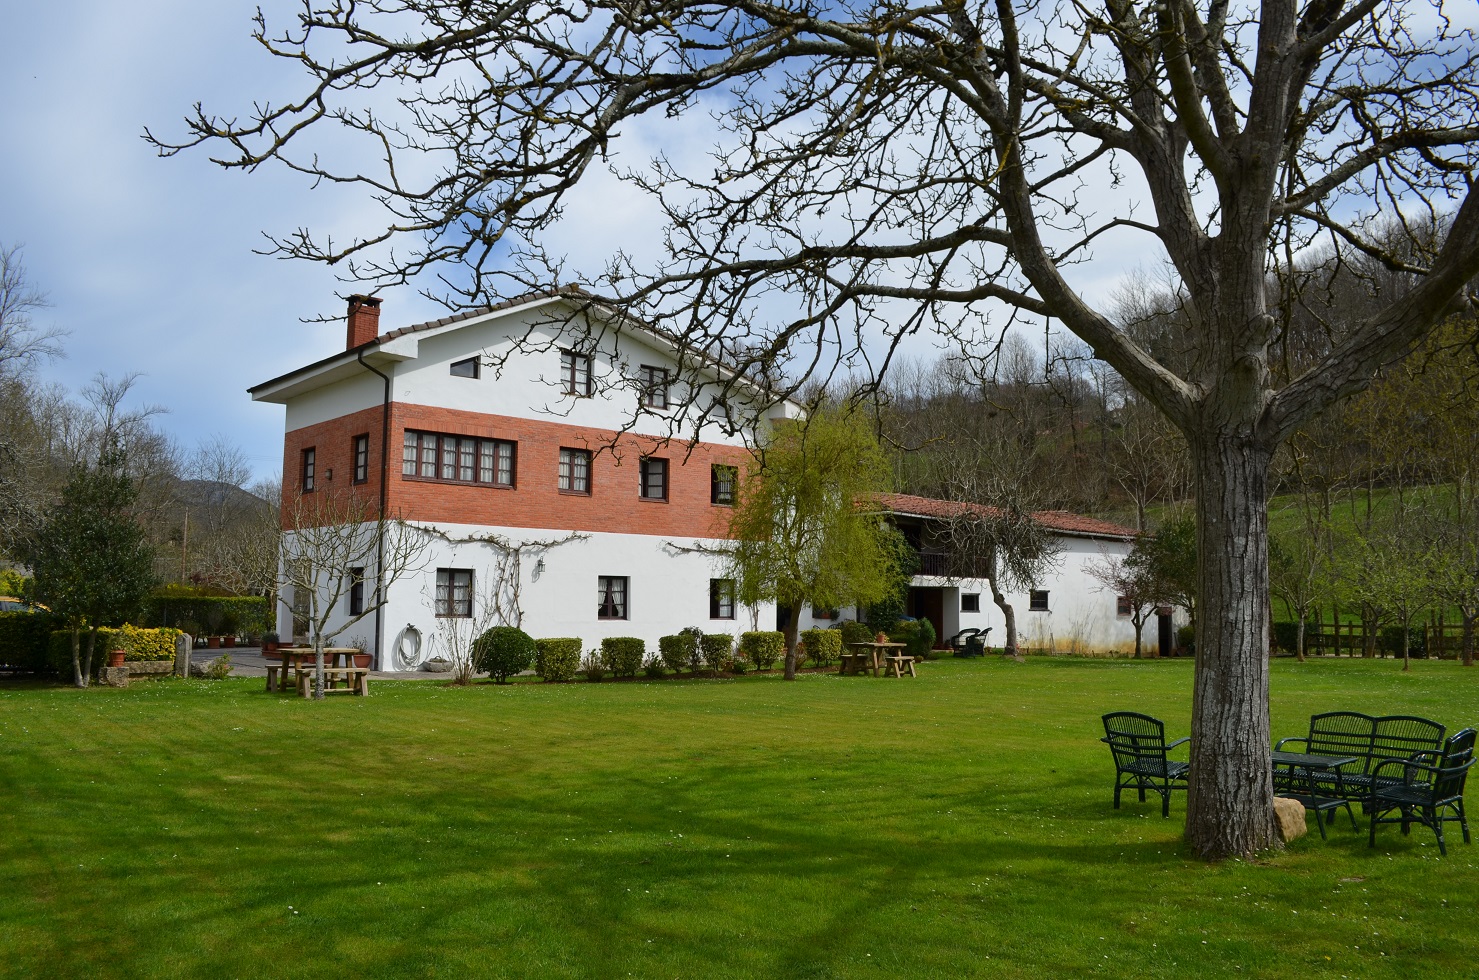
[(763, 647), (623, 655), (557, 659), (918, 634), (822, 646), (137, 644), (503, 651), (717, 651), (176, 605), (855, 632), (24, 640), (677, 650), (696, 646)]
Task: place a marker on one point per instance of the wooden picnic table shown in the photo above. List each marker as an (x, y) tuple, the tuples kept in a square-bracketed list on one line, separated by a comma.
[(337, 663), (873, 655)]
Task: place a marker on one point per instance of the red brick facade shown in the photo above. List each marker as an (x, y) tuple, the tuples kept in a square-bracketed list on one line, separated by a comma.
[(535, 500)]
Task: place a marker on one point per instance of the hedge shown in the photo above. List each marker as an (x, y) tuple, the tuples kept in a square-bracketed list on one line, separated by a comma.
[(503, 651), (24, 637), (208, 614), (557, 659), (822, 646), (139, 644), (623, 655), (677, 650), (855, 632), (718, 651), (918, 634), (763, 648)]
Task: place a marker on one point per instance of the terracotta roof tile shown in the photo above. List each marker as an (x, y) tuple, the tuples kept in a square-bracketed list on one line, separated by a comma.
[(1057, 520)]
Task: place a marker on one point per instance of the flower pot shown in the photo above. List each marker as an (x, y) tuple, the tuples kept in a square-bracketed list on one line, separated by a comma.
[(361, 659), (213, 642), (115, 658), (228, 641), (269, 646)]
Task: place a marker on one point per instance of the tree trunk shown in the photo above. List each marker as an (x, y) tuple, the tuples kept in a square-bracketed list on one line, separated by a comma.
[(1230, 806), (1299, 640), (1469, 616), (792, 630), (1406, 644), (1009, 615), (318, 666), (92, 642), (1139, 628), (77, 679)]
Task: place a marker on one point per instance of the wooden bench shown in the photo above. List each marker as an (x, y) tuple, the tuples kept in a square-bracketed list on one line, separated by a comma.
[(357, 680), (896, 664)]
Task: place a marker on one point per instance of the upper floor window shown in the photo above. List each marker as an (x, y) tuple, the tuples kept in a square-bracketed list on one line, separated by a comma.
[(575, 470), (654, 472), (361, 458), (970, 602), (310, 467), (471, 367), (454, 592), (575, 373), (1037, 600), (654, 382), (356, 591), (611, 597), (721, 484), (458, 459)]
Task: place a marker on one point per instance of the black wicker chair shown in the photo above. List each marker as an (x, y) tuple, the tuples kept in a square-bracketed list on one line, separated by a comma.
[(1427, 794), (1138, 743)]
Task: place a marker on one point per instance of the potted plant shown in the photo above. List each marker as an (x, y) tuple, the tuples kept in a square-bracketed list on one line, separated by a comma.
[(229, 624), (360, 657), (116, 657), (270, 642)]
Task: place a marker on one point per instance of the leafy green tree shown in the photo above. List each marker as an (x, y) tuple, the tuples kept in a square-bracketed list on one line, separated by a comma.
[(802, 527), (1169, 557), (90, 563)]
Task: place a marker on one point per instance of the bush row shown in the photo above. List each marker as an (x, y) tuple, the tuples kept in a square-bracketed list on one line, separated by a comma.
[(137, 643), (24, 640), (209, 615)]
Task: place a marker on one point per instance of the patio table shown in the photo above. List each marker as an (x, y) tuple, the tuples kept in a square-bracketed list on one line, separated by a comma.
[(1297, 782)]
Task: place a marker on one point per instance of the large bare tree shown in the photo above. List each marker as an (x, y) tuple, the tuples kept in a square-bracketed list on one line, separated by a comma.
[(882, 167)]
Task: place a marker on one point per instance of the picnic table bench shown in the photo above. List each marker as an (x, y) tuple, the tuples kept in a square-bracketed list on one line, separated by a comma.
[(1367, 741), (357, 680)]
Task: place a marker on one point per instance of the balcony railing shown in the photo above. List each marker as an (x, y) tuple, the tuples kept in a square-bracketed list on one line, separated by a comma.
[(934, 563)]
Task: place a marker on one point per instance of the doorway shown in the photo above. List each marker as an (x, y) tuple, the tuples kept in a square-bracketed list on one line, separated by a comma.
[(1165, 632), (929, 603)]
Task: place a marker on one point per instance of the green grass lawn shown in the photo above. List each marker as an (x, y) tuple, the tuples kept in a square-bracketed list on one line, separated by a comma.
[(954, 825)]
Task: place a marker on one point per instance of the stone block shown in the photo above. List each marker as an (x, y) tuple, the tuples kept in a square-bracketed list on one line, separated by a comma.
[(1290, 816), (115, 676)]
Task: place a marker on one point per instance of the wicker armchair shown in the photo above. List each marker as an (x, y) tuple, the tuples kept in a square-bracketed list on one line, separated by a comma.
[(1427, 794), (1138, 743)]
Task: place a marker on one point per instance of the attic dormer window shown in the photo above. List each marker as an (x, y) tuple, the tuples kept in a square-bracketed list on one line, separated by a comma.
[(469, 368)]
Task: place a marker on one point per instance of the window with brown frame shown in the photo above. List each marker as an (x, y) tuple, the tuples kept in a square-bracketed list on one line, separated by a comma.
[(575, 373), (1123, 606), (611, 596), (654, 381), (361, 458), (722, 480), (458, 459), (654, 474), (1037, 600), (310, 466), (454, 592), (575, 471)]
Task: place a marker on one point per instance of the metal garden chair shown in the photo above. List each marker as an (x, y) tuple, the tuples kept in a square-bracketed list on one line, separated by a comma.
[(1138, 743), (1431, 795)]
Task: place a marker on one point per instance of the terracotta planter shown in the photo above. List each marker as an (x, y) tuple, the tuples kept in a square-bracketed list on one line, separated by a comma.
[(115, 658), (269, 647), (229, 641), (213, 642), (361, 659)]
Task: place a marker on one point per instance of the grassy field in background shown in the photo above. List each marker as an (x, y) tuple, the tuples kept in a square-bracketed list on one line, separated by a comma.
[(954, 825)]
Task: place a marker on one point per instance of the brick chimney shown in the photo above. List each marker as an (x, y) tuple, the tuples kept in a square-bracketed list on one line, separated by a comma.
[(363, 319)]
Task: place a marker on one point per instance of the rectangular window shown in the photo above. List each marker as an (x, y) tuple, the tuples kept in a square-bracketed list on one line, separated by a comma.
[(1037, 600), (575, 373), (469, 368), (654, 386), (458, 459), (309, 466), (454, 592), (721, 484), (300, 611), (361, 458), (611, 596), (1122, 606), (721, 598), (654, 478), (356, 591), (970, 602), (575, 470)]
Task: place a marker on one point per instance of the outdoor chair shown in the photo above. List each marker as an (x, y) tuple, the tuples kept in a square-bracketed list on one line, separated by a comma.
[(1138, 743), (1431, 795)]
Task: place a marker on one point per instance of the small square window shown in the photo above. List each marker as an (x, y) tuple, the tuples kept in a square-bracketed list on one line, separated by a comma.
[(611, 597), (1037, 600), (970, 602), (654, 473), (310, 465), (454, 592), (575, 471), (472, 367), (1123, 607), (654, 382), (361, 458), (722, 480), (575, 373), (721, 598)]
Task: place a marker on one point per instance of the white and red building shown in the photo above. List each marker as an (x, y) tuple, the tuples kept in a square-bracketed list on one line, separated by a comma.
[(551, 424)]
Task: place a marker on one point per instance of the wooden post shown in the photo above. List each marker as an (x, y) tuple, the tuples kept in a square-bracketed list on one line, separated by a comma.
[(182, 655)]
